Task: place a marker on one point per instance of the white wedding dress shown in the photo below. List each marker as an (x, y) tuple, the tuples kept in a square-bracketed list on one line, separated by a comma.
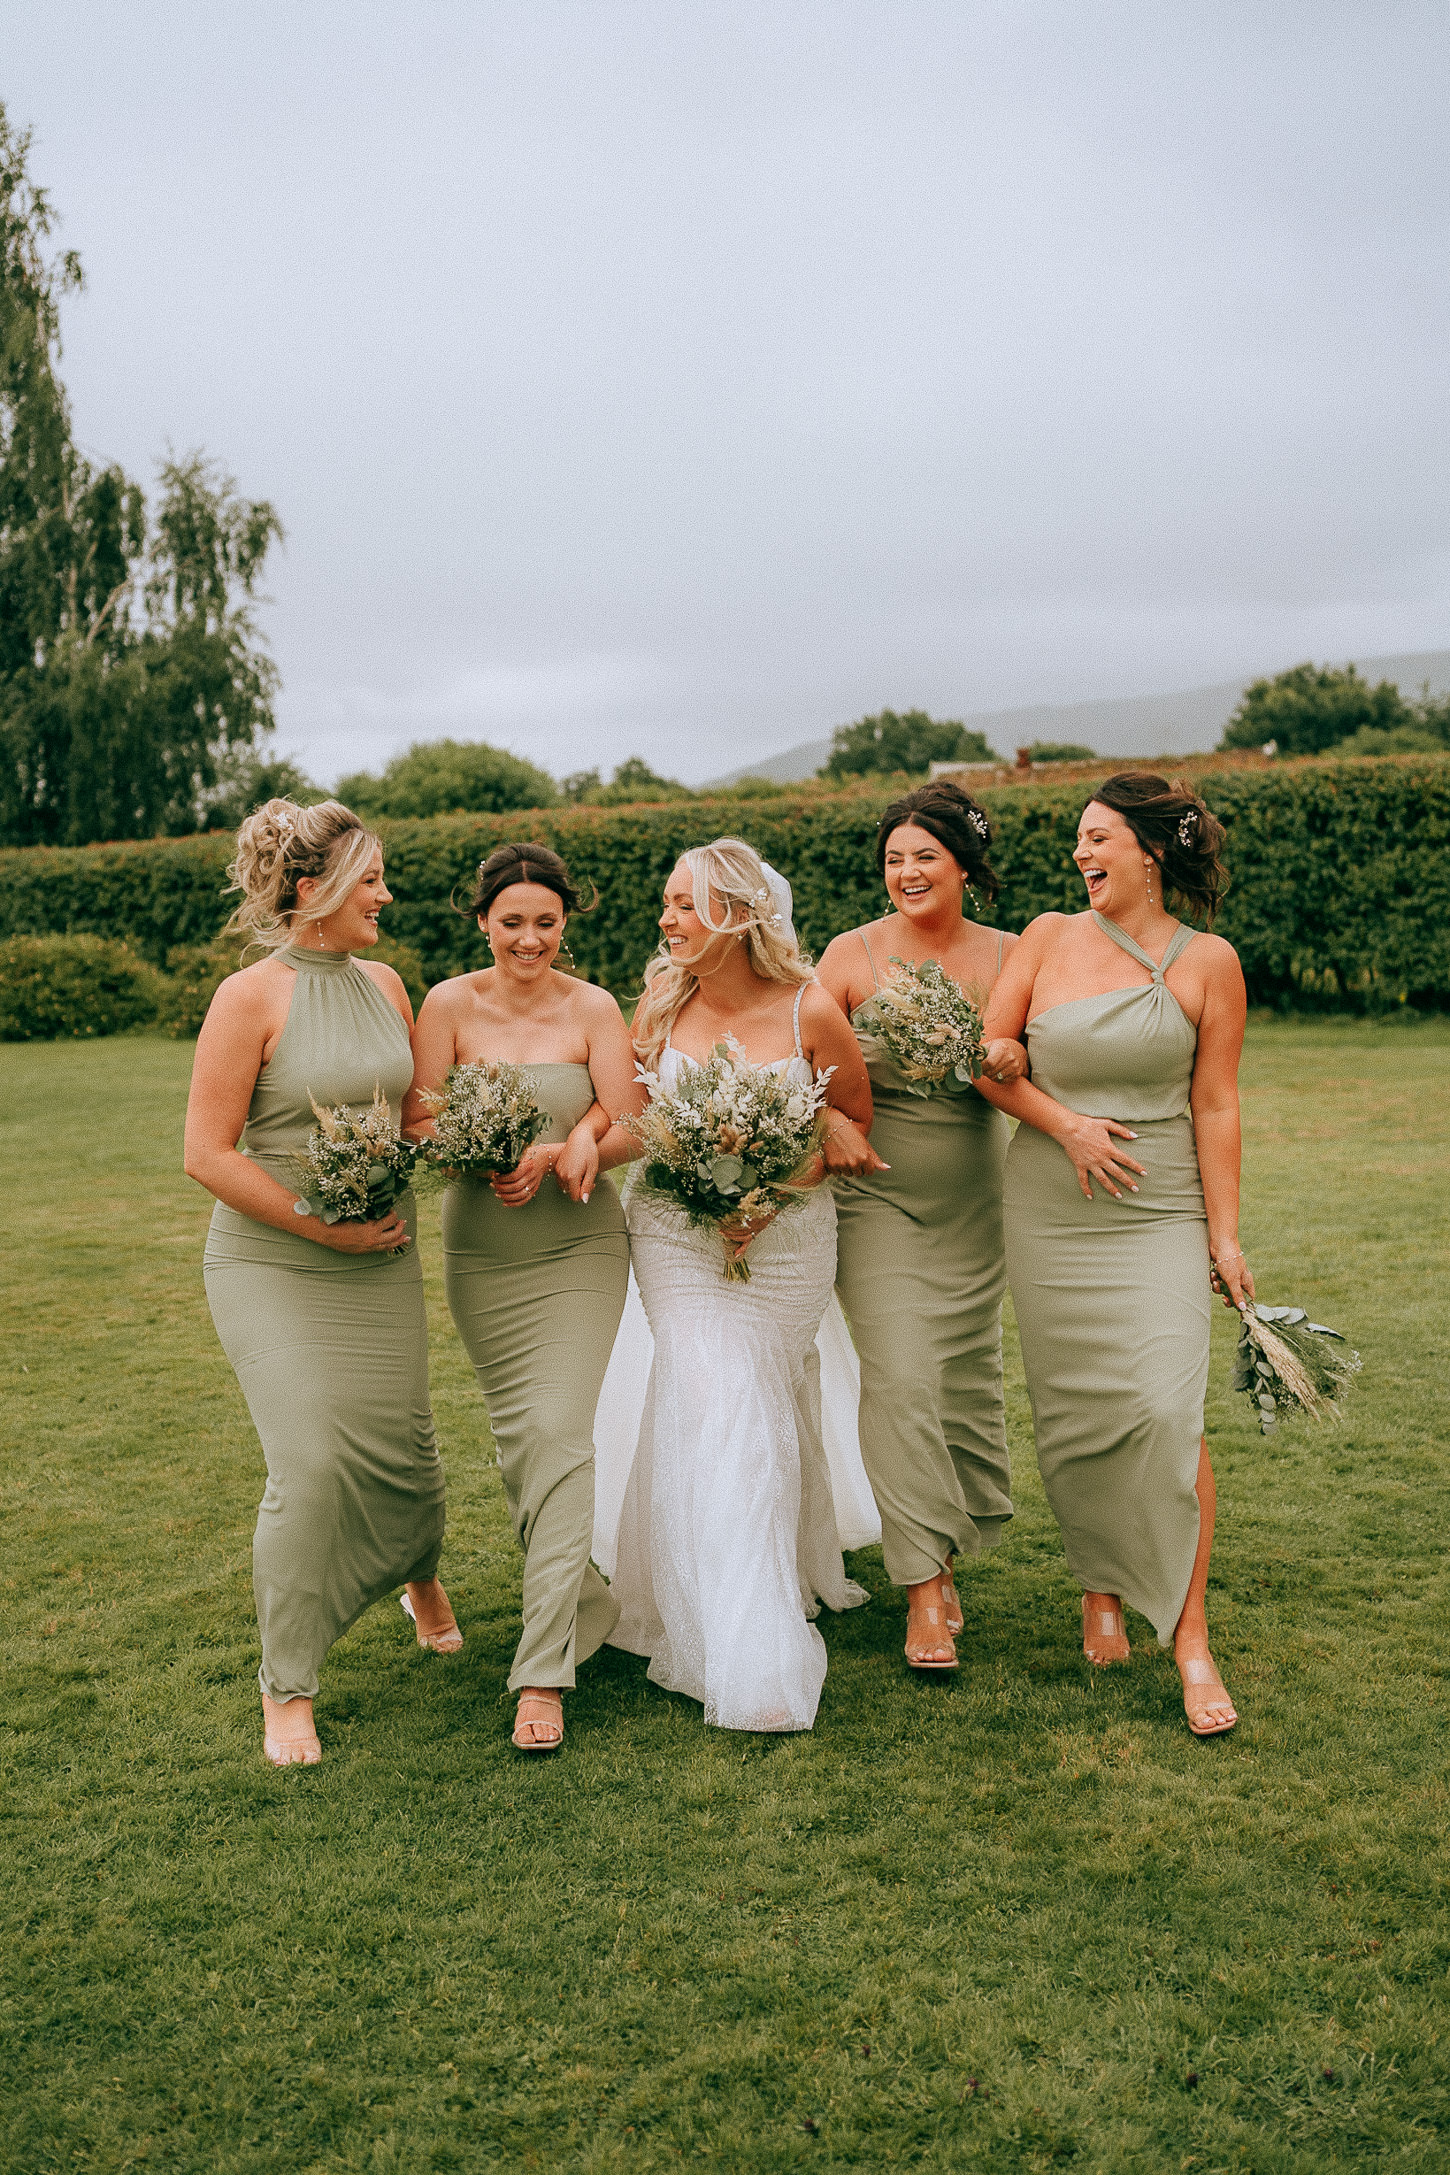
[(727, 1536)]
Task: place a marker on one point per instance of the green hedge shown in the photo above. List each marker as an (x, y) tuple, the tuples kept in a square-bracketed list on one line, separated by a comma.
[(1341, 876), (75, 985)]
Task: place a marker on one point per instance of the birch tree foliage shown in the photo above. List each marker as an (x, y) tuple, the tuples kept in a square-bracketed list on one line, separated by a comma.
[(132, 670)]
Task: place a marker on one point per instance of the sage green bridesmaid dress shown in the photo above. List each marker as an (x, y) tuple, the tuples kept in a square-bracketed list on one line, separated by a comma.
[(537, 1293), (330, 1349), (920, 1273), (1112, 1297)]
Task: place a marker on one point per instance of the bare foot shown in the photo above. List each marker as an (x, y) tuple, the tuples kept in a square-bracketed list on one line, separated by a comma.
[(1104, 1640), (539, 1724), (427, 1604), (1207, 1705), (289, 1736), (951, 1600), (929, 1645)]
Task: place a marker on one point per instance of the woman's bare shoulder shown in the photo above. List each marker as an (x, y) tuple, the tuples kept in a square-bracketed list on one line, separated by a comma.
[(599, 1009), (851, 938), (447, 994), (1213, 955), (253, 990), (1046, 930), (387, 978), (818, 1006)]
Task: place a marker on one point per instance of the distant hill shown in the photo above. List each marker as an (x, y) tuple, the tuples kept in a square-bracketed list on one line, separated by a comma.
[(1184, 724)]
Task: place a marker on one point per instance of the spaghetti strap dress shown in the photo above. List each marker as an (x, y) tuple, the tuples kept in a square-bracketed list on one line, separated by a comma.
[(727, 1538), (1112, 1297), (536, 1293), (920, 1274), (330, 1349)]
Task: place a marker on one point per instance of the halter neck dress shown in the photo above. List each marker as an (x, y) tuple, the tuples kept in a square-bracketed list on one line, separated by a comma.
[(536, 1293), (920, 1273), (330, 1349), (1112, 1297)]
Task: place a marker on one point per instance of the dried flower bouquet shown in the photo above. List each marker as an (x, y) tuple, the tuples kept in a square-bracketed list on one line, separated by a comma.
[(1286, 1363), (929, 1029), (355, 1164), (730, 1144), (487, 1117)]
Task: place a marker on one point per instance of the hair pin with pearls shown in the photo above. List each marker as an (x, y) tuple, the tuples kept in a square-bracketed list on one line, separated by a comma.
[(1187, 825)]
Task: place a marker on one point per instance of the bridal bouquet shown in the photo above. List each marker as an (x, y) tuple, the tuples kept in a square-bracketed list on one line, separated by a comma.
[(487, 1116), (928, 1028), (1286, 1363), (730, 1143), (354, 1166)]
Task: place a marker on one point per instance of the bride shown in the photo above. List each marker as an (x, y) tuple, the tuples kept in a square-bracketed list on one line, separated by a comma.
[(728, 1538)]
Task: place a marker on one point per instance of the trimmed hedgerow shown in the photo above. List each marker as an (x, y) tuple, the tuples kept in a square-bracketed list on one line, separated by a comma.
[(1340, 898), (74, 985)]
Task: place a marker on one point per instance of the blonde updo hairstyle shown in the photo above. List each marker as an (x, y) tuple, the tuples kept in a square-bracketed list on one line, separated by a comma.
[(279, 844), (734, 898)]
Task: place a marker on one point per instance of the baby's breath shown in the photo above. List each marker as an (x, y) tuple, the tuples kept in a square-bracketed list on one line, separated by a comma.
[(487, 1117), (355, 1163), (731, 1141), (930, 1031)]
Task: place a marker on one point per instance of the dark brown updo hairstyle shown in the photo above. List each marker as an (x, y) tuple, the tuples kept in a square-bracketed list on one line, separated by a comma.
[(529, 863), (954, 821), (1172, 823)]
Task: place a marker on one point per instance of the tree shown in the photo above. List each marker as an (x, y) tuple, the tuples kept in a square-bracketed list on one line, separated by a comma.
[(1313, 707), (130, 663), (437, 777), (911, 742), (633, 780), (246, 777), (1061, 751)]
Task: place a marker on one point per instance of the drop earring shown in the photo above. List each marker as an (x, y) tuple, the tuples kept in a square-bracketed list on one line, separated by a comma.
[(1148, 876)]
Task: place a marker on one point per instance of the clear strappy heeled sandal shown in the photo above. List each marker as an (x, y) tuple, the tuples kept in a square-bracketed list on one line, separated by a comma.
[(550, 1717), (1099, 1626), (447, 1641), (938, 1651)]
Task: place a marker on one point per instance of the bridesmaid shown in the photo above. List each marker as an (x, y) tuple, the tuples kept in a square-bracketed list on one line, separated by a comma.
[(1134, 1025), (920, 1268), (324, 1324), (536, 1263)]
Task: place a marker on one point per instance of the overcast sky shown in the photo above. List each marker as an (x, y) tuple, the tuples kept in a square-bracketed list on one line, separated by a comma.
[(689, 378)]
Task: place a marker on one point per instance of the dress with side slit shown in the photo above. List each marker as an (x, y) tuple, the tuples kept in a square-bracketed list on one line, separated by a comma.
[(1112, 1296)]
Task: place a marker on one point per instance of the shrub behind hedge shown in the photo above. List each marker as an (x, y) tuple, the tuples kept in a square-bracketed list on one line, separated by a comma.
[(74, 985), (1341, 875)]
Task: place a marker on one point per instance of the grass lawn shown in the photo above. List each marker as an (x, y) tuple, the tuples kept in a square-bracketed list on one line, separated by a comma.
[(1019, 1920)]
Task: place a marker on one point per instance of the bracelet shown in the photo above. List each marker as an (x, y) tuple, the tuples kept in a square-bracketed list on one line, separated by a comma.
[(1235, 1254)]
